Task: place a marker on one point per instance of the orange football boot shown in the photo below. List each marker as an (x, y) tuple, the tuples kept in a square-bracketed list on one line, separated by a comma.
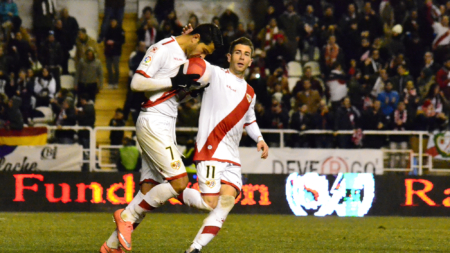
[(106, 249), (124, 230)]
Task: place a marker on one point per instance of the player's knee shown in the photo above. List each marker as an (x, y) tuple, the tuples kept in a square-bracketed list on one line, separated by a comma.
[(211, 202), (226, 202), (180, 184)]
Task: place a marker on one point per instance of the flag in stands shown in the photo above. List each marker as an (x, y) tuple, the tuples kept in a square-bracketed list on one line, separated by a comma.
[(439, 146), (29, 136)]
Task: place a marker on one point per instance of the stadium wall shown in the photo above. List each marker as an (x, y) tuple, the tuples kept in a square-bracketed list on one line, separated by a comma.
[(344, 194)]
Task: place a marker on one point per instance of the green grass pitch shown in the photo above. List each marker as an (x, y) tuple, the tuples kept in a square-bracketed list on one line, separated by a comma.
[(86, 232)]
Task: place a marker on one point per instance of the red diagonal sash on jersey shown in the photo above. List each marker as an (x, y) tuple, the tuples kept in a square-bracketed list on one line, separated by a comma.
[(166, 95), (443, 36), (224, 126)]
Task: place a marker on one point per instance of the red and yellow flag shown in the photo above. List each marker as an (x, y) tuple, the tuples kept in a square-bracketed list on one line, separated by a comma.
[(29, 136)]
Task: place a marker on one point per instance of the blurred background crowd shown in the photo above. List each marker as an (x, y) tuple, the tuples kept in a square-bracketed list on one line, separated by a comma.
[(318, 65)]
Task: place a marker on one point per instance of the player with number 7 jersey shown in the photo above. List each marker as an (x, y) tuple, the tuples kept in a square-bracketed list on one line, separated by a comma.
[(227, 108), (162, 77)]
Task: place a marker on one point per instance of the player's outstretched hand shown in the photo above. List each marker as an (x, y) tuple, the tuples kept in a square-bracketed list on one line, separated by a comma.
[(262, 145), (187, 29), (184, 81)]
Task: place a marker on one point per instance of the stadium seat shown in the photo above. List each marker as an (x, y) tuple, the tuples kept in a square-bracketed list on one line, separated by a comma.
[(67, 82), (292, 81), (294, 69), (48, 115), (73, 52), (71, 66), (314, 67), (298, 55)]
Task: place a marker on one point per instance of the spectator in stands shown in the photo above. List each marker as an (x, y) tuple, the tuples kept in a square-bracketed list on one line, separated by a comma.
[(134, 99), (315, 83), (83, 43), (7, 87), (114, 39), (443, 78), (428, 119), (259, 85), (116, 137), (148, 33), (193, 20), (51, 56), (336, 86), (114, 9), (163, 8), (5, 61), (399, 81), (279, 120), (85, 117), (323, 119), (253, 33), (89, 75), (301, 120), (147, 14), (308, 97), (44, 14), (424, 82), (165, 32), (44, 88), (437, 99), (371, 65), (347, 118), (267, 35), (441, 43), (290, 23), (374, 119), (14, 119), (262, 117), (331, 53), (349, 18), (66, 117), (70, 24), (22, 48), (411, 99), (389, 99), (129, 158), (309, 31), (279, 54), (369, 22), (8, 10), (229, 17), (430, 64), (173, 21), (25, 92), (352, 39), (395, 43), (57, 102), (241, 32), (399, 123)]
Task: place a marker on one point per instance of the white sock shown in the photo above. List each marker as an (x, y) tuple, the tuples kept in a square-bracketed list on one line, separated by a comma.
[(213, 223), (155, 198), (112, 241), (193, 198)]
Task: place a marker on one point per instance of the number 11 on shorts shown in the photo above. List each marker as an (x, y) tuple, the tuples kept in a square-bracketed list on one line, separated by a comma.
[(213, 171)]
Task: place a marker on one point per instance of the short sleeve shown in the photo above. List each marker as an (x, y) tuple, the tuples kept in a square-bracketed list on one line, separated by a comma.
[(153, 60)]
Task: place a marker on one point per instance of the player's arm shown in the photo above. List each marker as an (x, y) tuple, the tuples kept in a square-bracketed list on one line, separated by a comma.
[(253, 130)]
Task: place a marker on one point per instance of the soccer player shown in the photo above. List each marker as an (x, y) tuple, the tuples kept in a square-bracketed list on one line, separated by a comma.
[(227, 108), (163, 174)]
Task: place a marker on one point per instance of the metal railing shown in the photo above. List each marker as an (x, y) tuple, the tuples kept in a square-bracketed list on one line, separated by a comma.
[(95, 151)]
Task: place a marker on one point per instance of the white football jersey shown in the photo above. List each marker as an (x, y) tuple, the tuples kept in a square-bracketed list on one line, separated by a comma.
[(162, 60), (227, 107)]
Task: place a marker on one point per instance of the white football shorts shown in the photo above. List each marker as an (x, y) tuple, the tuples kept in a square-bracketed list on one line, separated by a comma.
[(161, 159), (211, 174)]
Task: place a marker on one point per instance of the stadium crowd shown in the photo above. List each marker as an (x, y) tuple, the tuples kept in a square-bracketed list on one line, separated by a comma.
[(364, 65)]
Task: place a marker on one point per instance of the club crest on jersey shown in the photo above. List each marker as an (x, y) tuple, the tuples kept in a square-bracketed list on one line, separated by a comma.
[(147, 60), (175, 165), (211, 183), (249, 98)]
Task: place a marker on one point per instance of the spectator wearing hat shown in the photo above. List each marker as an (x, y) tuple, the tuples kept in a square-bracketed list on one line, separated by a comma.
[(114, 39), (89, 75), (51, 56), (84, 42)]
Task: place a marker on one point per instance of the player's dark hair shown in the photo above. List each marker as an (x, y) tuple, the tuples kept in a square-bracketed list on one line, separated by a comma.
[(209, 33), (241, 41)]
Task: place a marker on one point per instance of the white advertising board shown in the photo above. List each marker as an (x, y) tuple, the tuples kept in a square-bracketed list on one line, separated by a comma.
[(322, 161), (41, 158)]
